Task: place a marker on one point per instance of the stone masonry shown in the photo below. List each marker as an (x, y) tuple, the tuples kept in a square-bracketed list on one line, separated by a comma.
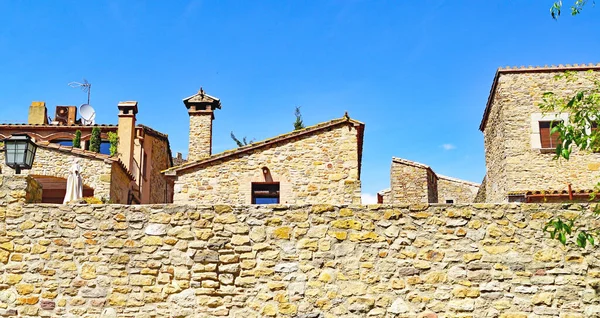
[(318, 165), (514, 160), (412, 182), (98, 172), (479, 260), (200, 139), (459, 191)]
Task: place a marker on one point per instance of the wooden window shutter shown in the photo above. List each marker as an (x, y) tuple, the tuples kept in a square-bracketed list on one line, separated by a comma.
[(547, 139)]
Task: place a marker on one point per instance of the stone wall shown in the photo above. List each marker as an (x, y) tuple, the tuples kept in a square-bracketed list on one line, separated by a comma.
[(200, 139), (514, 161), (480, 260), (159, 161), (312, 168), (120, 184), (53, 162), (411, 182), (459, 191)]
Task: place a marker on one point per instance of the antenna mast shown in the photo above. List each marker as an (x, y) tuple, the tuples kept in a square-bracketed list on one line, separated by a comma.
[(85, 86)]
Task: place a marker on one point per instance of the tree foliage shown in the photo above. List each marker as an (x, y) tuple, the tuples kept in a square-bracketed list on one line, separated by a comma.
[(579, 132), (95, 140), (298, 124), (77, 139), (113, 138), (576, 7), (240, 143)]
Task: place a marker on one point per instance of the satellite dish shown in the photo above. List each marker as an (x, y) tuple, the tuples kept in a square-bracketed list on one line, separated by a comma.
[(88, 114)]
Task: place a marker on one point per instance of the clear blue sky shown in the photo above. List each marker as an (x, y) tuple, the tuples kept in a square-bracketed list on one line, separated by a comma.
[(418, 73)]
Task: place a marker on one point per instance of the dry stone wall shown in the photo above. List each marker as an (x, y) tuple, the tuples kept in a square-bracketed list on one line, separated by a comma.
[(514, 161), (479, 260)]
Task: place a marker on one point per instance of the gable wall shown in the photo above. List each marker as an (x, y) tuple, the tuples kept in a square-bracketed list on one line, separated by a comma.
[(410, 184), (511, 162), (460, 192), (317, 168)]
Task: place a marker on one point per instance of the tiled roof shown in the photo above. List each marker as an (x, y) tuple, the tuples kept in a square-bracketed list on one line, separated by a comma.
[(552, 192), (530, 69), (21, 125), (270, 141)]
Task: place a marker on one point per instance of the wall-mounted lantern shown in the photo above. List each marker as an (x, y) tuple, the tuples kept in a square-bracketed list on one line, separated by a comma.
[(19, 151)]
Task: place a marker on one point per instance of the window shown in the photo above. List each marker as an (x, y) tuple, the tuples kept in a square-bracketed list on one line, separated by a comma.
[(265, 192), (104, 146), (450, 201), (549, 140), (65, 142)]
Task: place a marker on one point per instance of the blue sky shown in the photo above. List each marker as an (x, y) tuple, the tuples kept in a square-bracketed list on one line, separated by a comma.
[(418, 73)]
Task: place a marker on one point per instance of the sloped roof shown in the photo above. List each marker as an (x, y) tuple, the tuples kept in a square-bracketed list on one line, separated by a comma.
[(267, 142), (202, 97), (529, 69)]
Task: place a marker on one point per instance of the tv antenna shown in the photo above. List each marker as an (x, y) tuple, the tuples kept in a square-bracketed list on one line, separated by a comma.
[(85, 86)]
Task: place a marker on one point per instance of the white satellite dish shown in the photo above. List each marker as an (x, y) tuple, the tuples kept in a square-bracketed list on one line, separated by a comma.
[(88, 114)]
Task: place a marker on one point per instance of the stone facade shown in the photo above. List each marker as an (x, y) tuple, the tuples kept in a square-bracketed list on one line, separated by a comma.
[(320, 164), (200, 139), (120, 184), (96, 170), (480, 260), (514, 160), (456, 190), (413, 182), (160, 190)]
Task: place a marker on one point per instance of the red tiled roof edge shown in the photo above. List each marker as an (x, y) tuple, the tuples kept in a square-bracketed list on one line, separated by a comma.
[(529, 69)]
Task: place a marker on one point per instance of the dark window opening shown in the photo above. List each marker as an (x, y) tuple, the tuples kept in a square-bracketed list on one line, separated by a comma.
[(548, 139), (450, 201), (265, 192)]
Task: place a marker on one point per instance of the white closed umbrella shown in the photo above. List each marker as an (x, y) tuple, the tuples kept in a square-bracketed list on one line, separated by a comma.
[(74, 183)]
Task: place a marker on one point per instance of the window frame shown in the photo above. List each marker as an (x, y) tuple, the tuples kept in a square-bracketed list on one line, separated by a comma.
[(254, 196), (552, 137)]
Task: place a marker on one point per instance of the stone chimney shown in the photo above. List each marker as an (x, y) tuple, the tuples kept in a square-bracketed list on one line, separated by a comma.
[(38, 114), (126, 131), (201, 110)]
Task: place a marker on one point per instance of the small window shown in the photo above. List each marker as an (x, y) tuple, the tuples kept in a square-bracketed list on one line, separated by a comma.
[(265, 193), (104, 146), (450, 201), (63, 142), (549, 140)]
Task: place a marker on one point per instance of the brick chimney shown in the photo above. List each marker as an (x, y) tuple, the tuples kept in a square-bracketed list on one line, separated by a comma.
[(126, 131), (201, 110), (38, 114)]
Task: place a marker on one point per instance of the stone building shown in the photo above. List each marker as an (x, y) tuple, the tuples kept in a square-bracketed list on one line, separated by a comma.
[(519, 146), (413, 182), (131, 176), (317, 164)]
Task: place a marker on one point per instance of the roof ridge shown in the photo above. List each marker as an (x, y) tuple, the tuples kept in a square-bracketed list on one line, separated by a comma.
[(410, 162), (258, 144)]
